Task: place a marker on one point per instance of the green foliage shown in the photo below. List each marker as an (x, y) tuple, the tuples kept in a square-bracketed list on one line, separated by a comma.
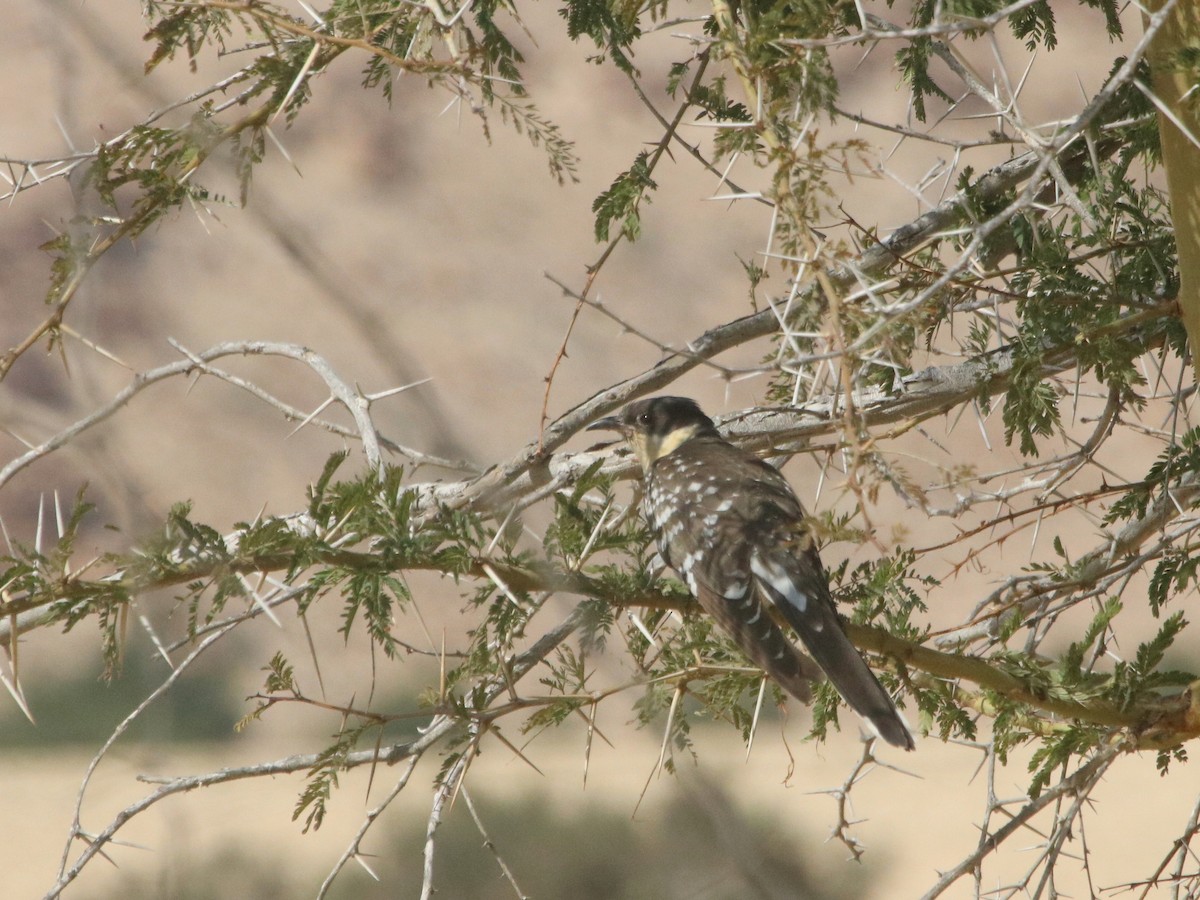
[(913, 62), (1056, 752), (942, 714), (1034, 23), (884, 591), (1112, 19), (577, 530), (500, 57), (611, 24), (1140, 680), (190, 30), (713, 102), (620, 203), (694, 658), (566, 674), (46, 578), (153, 167), (803, 78), (1031, 405), (1072, 662), (282, 77), (1177, 461), (825, 705), (1166, 757), (281, 679), (524, 118), (1174, 573), (379, 508), (732, 698), (323, 778)]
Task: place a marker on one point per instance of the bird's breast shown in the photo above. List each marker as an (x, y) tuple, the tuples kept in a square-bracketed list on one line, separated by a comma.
[(691, 506)]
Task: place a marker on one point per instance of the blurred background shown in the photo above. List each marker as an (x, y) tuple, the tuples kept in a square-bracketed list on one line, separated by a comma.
[(402, 244)]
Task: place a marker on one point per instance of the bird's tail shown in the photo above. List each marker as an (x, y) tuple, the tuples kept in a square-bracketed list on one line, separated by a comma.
[(804, 601), (856, 682)]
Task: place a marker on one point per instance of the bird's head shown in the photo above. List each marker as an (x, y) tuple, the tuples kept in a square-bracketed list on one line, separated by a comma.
[(657, 426)]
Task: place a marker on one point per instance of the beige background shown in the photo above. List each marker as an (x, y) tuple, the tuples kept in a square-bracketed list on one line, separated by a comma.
[(402, 246)]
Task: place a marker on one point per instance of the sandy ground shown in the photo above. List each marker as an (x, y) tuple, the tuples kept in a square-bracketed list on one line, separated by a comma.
[(910, 817)]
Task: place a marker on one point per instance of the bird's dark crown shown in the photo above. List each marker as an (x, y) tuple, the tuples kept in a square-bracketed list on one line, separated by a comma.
[(657, 426), (661, 416)]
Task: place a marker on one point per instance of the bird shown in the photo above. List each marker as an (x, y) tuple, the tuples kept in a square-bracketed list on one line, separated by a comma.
[(731, 526)]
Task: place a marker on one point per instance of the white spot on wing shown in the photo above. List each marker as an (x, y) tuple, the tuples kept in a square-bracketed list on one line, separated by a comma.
[(779, 580)]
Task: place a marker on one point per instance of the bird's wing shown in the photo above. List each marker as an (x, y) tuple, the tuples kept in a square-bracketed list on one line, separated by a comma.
[(745, 618)]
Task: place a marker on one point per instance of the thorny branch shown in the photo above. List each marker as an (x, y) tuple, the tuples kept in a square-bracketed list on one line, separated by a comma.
[(1079, 785), (928, 393), (439, 727)]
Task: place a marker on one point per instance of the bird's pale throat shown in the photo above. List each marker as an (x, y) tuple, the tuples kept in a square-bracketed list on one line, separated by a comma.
[(649, 448)]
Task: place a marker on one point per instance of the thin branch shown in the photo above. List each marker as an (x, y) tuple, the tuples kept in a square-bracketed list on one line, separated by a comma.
[(1079, 784), (491, 846), (439, 727), (355, 403), (354, 848)]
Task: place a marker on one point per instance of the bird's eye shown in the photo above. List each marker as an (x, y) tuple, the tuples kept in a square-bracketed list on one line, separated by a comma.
[(644, 418)]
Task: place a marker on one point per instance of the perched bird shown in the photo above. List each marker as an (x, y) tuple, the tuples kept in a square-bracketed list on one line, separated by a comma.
[(734, 530)]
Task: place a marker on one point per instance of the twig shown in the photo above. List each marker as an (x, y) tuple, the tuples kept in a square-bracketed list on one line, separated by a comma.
[(1080, 784)]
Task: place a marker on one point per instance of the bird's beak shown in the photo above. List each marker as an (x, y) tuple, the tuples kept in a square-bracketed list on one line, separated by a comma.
[(608, 423)]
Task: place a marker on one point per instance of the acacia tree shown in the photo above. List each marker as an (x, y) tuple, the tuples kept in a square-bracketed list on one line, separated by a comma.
[(1038, 285)]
